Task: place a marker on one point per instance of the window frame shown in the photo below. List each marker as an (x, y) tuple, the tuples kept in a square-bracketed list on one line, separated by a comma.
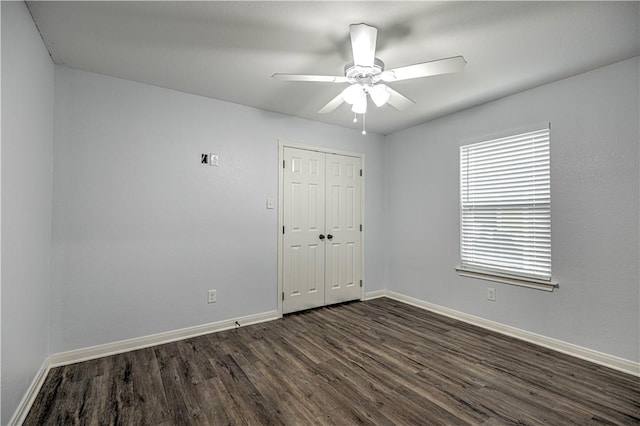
[(487, 273)]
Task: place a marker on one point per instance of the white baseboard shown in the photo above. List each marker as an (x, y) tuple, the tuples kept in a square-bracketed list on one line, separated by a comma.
[(30, 396), (616, 363), (375, 294), (98, 351), (85, 354)]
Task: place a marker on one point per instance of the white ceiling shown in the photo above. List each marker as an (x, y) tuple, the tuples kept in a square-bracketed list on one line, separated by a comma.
[(229, 50)]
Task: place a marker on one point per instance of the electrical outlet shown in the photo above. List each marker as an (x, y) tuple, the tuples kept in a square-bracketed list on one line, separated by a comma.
[(213, 159), (491, 294), (211, 296)]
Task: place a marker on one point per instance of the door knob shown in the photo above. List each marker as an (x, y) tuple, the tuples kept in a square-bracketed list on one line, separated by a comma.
[(321, 237), (329, 236)]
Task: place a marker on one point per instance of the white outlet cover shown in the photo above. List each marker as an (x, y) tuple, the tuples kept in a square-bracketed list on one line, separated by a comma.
[(211, 296), (491, 294), (213, 159)]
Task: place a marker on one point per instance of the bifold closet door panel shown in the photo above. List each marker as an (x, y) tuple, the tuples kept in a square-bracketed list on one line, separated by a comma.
[(304, 221), (343, 250)]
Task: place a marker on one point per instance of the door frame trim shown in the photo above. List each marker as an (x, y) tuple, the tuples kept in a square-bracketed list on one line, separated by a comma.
[(281, 145)]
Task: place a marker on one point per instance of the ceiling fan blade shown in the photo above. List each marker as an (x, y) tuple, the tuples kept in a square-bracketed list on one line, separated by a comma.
[(363, 44), (333, 104), (310, 78), (425, 69), (398, 100)]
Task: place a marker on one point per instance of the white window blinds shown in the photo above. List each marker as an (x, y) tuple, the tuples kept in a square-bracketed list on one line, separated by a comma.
[(505, 205)]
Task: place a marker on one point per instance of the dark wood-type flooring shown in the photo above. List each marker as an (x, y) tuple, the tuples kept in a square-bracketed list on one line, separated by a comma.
[(377, 362)]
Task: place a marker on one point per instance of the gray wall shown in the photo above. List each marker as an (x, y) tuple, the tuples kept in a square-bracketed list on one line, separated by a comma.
[(595, 201), (27, 155), (141, 230)]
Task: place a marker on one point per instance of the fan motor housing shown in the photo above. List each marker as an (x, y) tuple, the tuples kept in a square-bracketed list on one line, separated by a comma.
[(364, 75)]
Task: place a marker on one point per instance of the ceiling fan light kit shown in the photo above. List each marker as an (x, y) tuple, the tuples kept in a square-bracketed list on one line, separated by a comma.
[(366, 76), (379, 94)]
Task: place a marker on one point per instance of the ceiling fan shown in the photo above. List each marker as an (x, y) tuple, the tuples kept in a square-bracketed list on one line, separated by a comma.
[(366, 75)]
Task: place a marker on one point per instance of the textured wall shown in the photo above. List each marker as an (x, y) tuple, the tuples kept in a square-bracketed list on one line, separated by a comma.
[(142, 230), (595, 200), (27, 158)]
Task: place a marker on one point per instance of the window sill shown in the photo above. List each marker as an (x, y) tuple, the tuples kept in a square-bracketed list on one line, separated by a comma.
[(522, 282)]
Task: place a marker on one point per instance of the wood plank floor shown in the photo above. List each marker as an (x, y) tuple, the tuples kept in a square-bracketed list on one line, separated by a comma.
[(377, 362)]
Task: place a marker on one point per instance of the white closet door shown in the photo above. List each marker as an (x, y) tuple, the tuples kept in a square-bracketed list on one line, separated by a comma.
[(322, 236), (343, 251), (304, 221)]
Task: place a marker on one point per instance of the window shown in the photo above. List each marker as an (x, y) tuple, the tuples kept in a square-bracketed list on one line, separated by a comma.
[(505, 208)]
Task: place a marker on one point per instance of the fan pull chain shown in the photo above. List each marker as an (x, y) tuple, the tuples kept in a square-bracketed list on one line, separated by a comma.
[(355, 117), (364, 132)]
